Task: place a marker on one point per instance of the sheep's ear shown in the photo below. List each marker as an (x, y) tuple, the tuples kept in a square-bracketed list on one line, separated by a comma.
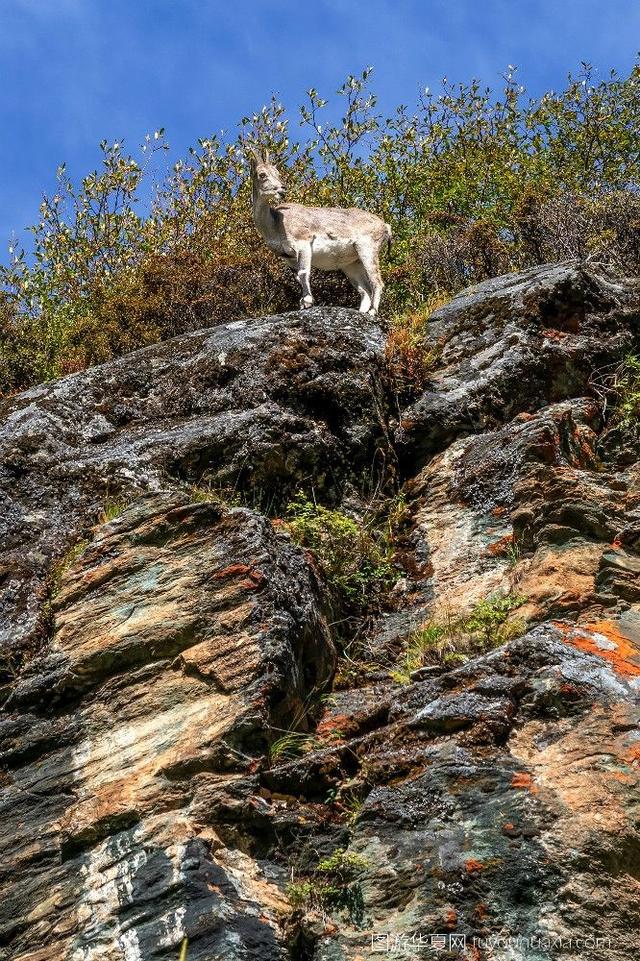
[(254, 159), (265, 155)]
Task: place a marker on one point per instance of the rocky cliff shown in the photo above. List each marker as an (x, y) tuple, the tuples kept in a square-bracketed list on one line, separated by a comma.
[(159, 638)]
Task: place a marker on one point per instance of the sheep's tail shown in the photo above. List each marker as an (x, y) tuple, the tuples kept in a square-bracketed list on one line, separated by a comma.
[(389, 238)]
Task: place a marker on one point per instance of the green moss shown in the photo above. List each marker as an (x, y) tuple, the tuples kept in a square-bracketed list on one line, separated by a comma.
[(65, 562)]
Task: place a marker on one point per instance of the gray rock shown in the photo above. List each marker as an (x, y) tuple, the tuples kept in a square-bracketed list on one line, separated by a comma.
[(263, 406), (513, 344)]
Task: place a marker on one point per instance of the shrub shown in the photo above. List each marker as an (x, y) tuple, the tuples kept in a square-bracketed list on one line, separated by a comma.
[(626, 386), (332, 885), (356, 562), (411, 355)]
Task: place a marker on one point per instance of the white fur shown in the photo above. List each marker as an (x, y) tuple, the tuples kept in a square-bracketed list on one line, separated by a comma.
[(329, 238)]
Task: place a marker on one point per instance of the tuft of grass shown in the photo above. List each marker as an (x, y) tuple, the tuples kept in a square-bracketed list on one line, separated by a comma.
[(355, 558), (112, 508), (227, 495), (453, 637), (353, 804), (513, 553), (332, 886), (410, 353), (290, 745), (224, 496)]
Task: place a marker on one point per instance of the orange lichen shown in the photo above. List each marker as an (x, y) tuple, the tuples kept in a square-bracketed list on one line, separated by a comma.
[(623, 656), (509, 827), (523, 780), (500, 547), (336, 724), (633, 754), (480, 911), (472, 866), (451, 919), (622, 777), (252, 580)]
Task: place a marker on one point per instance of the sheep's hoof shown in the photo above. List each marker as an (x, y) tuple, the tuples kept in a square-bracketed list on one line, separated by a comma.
[(306, 302)]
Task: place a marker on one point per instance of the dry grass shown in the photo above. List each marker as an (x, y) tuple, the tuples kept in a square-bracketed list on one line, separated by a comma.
[(411, 354)]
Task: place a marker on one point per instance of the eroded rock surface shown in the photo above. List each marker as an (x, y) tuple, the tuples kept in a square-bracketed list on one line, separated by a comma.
[(264, 405), (515, 344), (143, 800), (500, 798), (183, 635)]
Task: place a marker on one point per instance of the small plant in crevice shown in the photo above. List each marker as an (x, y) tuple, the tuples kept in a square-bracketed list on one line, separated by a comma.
[(625, 385), (289, 745), (355, 558), (453, 637), (267, 499), (113, 507), (513, 552), (352, 804), (226, 497), (332, 886), (297, 738), (618, 390), (411, 354)]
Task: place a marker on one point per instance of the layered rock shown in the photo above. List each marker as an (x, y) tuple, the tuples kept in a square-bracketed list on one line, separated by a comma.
[(499, 800), (262, 405), (149, 668), (184, 636), (513, 345)]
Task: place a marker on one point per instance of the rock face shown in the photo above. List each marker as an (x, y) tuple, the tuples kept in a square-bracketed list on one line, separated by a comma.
[(183, 635), (263, 405), (500, 799), (159, 642), (514, 344)]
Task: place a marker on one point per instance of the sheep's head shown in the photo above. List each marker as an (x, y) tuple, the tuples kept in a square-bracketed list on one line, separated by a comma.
[(266, 176)]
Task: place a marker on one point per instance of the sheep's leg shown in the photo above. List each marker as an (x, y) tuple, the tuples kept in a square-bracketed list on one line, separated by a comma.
[(369, 259), (357, 275), (304, 275)]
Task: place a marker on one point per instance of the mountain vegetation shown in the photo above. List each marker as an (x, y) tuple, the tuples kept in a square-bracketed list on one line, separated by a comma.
[(474, 185)]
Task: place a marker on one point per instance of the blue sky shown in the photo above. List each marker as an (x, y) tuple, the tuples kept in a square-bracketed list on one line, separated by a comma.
[(73, 72)]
